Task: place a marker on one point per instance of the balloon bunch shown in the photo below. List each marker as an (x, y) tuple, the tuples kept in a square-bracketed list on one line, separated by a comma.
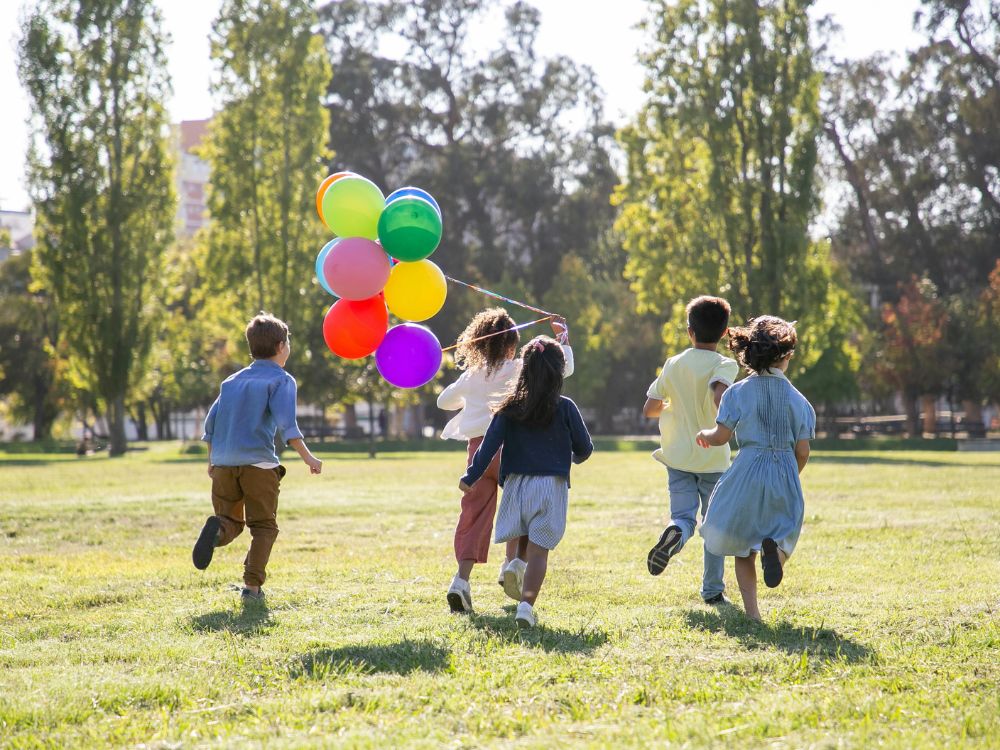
[(376, 264)]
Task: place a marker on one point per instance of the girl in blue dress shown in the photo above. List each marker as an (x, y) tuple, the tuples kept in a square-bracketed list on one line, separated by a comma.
[(757, 505)]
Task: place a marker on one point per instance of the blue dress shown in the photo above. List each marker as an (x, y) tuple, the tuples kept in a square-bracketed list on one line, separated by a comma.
[(760, 495)]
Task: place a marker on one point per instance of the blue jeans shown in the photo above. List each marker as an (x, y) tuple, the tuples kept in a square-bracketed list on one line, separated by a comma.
[(687, 492)]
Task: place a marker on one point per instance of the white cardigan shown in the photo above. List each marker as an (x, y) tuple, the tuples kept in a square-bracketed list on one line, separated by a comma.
[(476, 394)]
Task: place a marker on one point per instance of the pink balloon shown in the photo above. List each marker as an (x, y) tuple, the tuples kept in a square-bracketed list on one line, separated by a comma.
[(356, 268)]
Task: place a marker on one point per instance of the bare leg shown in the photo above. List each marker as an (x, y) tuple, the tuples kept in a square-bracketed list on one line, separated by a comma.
[(538, 561), (465, 569), (512, 549), (520, 546), (746, 578)]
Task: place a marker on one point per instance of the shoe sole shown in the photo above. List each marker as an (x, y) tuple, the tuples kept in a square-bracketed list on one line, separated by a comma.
[(663, 550), (456, 603), (510, 587), (204, 548), (523, 623), (770, 562)]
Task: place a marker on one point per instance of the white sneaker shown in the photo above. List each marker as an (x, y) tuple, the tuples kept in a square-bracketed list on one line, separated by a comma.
[(525, 617), (460, 595), (503, 566), (513, 578)]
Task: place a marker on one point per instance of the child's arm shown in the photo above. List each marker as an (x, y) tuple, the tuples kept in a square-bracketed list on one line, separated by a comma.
[(801, 453), (210, 467), (715, 437), (652, 408), (492, 441), (453, 397), (580, 438), (314, 464), (209, 429), (718, 388)]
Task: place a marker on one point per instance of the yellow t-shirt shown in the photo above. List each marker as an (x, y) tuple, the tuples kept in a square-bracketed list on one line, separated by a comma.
[(685, 388)]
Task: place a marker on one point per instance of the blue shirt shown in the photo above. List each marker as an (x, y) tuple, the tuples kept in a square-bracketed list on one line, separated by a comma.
[(252, 404), (537, 451)]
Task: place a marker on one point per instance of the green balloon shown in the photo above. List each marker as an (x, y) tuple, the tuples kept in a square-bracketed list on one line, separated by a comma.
[(409, 229), (351, 207)]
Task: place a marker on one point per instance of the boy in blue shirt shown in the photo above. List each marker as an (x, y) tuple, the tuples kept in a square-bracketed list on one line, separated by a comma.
[(240, 431)]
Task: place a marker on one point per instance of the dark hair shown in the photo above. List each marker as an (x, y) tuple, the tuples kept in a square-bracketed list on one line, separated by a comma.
[(487, 353), (762, 342), (708, 317), (264, 333), (534, 397)]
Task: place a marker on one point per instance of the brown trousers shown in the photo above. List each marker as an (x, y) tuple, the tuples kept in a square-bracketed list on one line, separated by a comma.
[(248, 496), (479, 505)]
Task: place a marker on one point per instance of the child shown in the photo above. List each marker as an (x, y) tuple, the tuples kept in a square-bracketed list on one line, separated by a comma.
[(758, 504), (240, 432), (685, 397), (540, 432), (486, 351)]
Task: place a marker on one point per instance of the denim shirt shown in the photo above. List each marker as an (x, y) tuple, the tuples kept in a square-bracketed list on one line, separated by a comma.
[(252, 405)]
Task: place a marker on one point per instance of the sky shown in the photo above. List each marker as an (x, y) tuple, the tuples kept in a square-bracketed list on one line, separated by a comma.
[(604, 39)]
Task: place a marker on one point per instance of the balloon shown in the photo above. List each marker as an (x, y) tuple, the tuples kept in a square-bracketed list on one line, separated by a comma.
[(409, 356), (322, 191), (409, 229), (319, 266), (356, 268), (354, 329), (416, 291), (351, 207), (415, 192)]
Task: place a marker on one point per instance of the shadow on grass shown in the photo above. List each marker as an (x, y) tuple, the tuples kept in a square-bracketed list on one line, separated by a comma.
[(254, 619), (393, 658), (896, 460), (792, 639), (542, 636)]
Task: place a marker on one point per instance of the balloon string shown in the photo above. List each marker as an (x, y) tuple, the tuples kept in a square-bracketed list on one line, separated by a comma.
[(501, 297), (498, 333)]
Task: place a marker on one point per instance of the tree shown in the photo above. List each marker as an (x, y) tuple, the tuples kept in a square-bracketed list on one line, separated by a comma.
[(266, 148), (100, 179), (720, 187)]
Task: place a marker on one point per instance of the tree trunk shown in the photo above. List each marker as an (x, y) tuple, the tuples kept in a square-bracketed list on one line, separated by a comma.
[(912, 415), (140, 422), (43, 417), (371, 429), (117, 444), (974, 418), (928, 401)]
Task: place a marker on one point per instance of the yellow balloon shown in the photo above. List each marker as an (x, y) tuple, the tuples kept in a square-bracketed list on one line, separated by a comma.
[(415, 291)]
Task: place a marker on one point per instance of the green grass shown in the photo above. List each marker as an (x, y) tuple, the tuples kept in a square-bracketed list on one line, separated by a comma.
[(884, 633)]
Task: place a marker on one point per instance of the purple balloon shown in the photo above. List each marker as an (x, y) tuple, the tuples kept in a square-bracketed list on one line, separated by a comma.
[(409, 356)]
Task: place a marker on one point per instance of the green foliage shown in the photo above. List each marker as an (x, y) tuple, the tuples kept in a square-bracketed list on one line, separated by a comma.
[(720, 186), (100, 179)]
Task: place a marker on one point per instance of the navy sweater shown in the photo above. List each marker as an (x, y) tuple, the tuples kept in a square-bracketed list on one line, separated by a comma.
[(537, 451)]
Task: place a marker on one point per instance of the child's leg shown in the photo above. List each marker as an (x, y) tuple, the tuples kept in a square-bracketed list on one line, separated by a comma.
[(512, 550), (227, 501), (520, 546), (260, 487), (684, 502), (475, 523), (712, 584), (746, 578), (538, 560)]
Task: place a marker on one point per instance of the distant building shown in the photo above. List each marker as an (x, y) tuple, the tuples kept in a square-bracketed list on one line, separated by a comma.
[(192, 177), (21, 225)]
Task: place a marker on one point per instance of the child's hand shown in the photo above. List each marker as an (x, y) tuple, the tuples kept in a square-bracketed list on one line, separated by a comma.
[(463, 486), (702, 439), (560, 329), (314, 464)]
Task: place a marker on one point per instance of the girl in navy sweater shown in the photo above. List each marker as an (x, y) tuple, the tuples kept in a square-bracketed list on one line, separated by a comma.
[(542, 433)]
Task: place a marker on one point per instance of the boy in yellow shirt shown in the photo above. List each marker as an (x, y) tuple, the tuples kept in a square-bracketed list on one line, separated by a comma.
[(685, 397)]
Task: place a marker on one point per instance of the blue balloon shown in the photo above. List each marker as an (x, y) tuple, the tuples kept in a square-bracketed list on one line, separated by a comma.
[(319, 265), (413, 192)]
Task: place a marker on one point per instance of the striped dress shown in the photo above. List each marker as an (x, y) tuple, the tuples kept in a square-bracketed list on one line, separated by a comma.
[(535, 507), (760, 496)]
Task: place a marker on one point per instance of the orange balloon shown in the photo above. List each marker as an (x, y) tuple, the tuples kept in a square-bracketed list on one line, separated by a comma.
[(322, 190)]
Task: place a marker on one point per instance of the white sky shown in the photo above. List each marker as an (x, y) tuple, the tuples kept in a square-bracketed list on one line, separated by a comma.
[(604, 39)]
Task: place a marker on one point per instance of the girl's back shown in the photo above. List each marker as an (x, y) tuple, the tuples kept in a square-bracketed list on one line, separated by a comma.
[(766, 411)]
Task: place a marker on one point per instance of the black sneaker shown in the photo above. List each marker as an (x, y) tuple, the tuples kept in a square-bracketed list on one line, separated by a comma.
[(252, 597), (663, 550), (204, 548), (717, 600), (770, 562)]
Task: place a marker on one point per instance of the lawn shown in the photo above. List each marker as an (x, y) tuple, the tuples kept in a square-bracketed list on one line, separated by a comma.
[(885, 632)]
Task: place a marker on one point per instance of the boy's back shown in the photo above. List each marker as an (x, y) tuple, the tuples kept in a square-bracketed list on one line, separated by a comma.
[(685, 387)]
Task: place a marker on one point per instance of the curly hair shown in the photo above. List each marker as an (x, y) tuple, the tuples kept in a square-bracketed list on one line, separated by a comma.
[(534, 396), (487, 353), (762, 342)]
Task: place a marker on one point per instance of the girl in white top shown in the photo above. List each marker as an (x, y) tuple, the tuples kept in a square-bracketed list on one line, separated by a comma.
[(487, 351)]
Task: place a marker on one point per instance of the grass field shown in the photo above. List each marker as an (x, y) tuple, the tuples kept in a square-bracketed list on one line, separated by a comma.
[(886, 631)]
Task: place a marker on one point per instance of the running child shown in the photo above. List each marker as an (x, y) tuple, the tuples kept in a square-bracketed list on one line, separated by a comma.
[(758, 506), (487, 352), (541, 433)]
